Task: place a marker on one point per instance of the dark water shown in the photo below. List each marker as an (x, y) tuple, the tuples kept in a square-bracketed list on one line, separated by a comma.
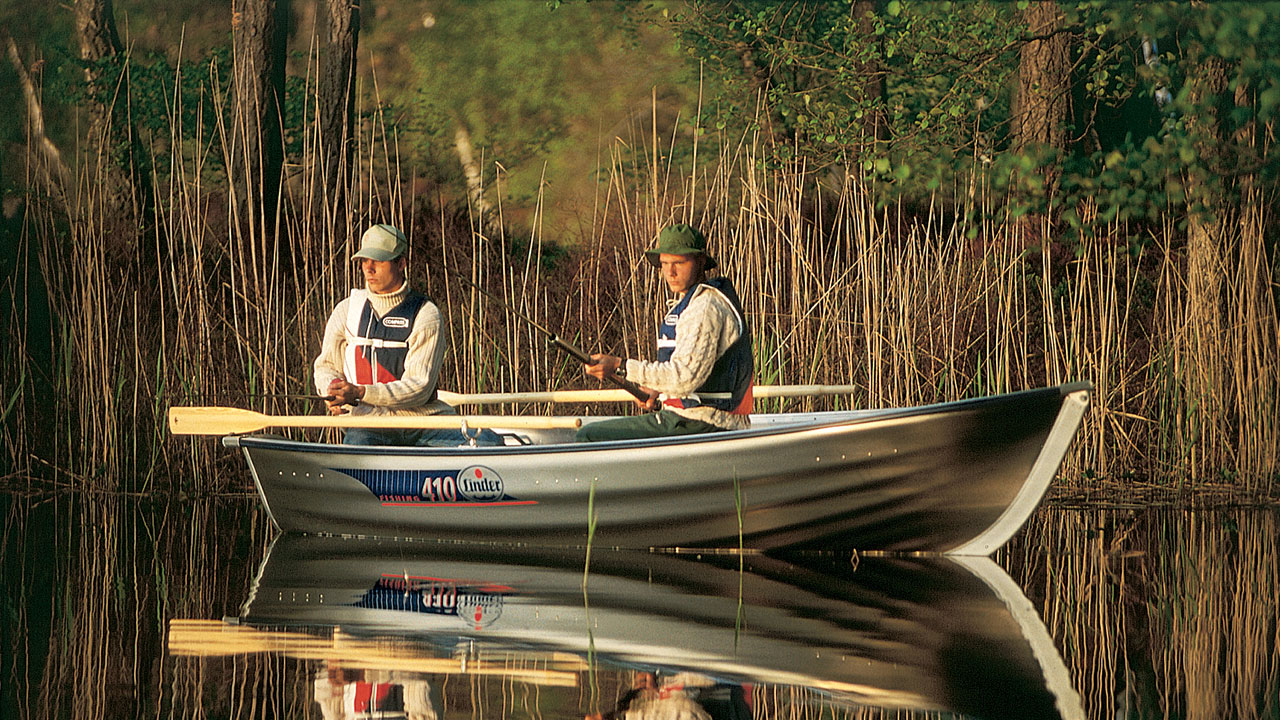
[(120, 607)]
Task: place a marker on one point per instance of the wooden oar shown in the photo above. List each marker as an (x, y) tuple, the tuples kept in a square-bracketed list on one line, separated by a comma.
[(232, 421), (586, 396), (215, 638)]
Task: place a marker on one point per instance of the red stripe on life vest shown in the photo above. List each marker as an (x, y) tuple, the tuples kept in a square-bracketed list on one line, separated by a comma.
[(748, 403), (745, 407), (370, 697), (364, 372), (360, 703)]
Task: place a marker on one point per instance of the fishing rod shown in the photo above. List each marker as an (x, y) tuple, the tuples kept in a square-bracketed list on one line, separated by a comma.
[(255, 396), (186, 397), (635, 390)]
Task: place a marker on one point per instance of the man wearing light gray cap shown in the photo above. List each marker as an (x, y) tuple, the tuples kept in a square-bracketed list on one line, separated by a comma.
[(383, 348)]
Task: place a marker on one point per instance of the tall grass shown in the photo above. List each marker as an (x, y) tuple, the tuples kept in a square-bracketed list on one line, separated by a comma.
[(209, 305)]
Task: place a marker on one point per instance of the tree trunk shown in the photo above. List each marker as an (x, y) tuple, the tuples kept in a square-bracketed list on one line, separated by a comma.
[(1042, 105), (337, 96), (1044, 82), (258, 32), (96, 25), (485, 218), (875, 127), (111, 135), (54, 173), (1203, 350)]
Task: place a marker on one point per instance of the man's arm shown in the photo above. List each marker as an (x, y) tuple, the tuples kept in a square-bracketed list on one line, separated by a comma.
[(421, 365), (328, 364)]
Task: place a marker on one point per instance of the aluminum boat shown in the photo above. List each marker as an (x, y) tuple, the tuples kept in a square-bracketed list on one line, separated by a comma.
[(958, 478)]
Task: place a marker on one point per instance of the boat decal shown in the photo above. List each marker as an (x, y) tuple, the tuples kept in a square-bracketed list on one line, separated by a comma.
[(477, 605), (472, 486)]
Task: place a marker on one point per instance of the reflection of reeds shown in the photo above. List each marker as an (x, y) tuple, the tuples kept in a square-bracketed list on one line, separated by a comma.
[(1161, 614), (96, 577)]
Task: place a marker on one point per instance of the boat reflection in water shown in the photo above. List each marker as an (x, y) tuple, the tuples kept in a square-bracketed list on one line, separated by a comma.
[(928, 633)]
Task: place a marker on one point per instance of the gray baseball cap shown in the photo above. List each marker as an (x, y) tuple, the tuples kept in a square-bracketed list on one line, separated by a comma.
[(382, 242)]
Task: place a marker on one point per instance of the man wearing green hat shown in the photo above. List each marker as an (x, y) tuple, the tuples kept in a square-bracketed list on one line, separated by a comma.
[(383, 348), (701, 381)]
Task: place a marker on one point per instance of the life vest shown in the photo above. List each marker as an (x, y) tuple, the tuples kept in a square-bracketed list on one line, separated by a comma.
[(728, 387), (377, 346), (374, 700)]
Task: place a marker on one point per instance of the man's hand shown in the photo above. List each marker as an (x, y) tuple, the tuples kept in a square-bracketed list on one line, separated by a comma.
[(645, 681), (341, 394), (651, 403), (602, 366)]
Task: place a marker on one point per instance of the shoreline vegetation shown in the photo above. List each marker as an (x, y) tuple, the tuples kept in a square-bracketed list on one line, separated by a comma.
[(913, 307), (170, 279)]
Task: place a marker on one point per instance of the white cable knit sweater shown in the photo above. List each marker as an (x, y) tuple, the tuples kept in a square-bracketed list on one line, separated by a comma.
[(704, 332)]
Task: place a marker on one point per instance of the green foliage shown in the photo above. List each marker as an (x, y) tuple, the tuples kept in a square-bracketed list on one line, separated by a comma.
[(1142, 140), (46, 40), (944, 67), (1191, 152), (180, 101), (543, 86)]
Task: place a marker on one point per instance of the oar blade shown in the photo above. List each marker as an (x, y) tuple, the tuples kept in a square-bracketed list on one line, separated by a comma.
[(214, 421)]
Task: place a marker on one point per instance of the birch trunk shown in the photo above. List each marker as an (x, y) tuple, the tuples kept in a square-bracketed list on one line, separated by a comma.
[(486, 220)]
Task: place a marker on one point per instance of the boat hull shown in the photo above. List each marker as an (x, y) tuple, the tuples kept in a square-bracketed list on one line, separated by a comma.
[(958, 477)]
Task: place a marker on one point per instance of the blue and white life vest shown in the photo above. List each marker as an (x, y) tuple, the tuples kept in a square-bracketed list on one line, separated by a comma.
[(728, 387), (377, 346)]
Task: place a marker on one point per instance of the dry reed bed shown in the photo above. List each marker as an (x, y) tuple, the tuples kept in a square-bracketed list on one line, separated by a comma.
[(211, 306)]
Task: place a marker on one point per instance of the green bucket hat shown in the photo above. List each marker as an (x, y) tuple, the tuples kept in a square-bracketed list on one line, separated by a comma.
[(680, 240)]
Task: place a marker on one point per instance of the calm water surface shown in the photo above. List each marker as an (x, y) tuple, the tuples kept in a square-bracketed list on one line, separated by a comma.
[(126, 608)]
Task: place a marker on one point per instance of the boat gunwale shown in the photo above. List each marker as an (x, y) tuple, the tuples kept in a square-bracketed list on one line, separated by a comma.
[(259, 442)]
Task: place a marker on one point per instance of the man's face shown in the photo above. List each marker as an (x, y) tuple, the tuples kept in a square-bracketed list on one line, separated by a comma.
[(382, 276), (680, 271)]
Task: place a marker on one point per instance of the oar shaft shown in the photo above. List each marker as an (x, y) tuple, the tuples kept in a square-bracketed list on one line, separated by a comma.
[(775, 391), (587, 396), (553, 396), (231, 421), (416, 422)]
